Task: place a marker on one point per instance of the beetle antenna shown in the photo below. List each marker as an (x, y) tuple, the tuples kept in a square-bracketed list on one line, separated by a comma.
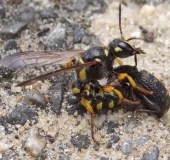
[(120, 28)]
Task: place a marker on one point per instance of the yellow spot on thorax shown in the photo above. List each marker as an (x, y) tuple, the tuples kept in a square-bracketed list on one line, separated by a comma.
[(82, 74)]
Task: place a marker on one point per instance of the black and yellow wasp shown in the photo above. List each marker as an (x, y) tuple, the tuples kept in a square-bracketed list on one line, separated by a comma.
[(93, 65)]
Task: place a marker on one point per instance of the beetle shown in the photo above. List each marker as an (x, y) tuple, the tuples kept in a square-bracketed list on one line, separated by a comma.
[(157, 103)]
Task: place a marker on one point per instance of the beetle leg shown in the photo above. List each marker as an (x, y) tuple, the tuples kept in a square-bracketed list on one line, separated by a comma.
[(122, 76)]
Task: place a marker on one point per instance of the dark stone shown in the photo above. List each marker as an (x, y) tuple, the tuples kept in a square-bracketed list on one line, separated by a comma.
[(86, 40), (43, 32), (25, 14), (80, 141), (5, 73), (73, 99), (34, 97), (147, 35), (20, 115), (114, 139), (64, 158), (131, 124), (152, 155), (77, 107), (98, 11), (48, 13), (5, 157), (61, 84), (78, 34), (111, 126), (55, 38), (3, 122), (141, 140), (95, 42), (51, 140), (56, 97), (104, 158), (66, 22), (43, 155), (10, 44), (2, 12), (14, 2), (11, 31), (81, 5)]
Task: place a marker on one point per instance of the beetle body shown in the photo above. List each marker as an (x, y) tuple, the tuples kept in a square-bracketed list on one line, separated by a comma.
[(159, 102)]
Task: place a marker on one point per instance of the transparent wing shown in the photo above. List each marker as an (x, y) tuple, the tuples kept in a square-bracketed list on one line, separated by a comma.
[(48, 75), (24, 61)]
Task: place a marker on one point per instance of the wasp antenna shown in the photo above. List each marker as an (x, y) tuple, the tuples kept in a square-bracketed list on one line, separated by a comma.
[(120, 28), (135, 38)]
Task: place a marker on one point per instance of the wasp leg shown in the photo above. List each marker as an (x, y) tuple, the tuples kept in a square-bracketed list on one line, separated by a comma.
[(121, 98), (77, 89), (89, 108), (122, 76), (119, 61)]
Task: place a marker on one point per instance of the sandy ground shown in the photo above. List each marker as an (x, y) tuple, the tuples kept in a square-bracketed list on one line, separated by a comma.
[(132, 126)]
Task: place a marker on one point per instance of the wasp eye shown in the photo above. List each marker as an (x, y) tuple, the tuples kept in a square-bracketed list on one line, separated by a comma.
[(125, 47)]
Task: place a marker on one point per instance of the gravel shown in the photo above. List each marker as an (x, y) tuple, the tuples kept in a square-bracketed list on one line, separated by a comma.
[(63, 132)]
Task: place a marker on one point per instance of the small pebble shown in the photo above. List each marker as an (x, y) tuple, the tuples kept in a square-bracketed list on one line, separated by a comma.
[(55, 37), (35, 143), (141, 140), (80, 141), (21, 129), (97, 137), (36, 85), (2, 12), (151, 155), (4, 146), (147, 10), (127, 147), (15, 89), (99, 121), (111, 126), (34, 97)]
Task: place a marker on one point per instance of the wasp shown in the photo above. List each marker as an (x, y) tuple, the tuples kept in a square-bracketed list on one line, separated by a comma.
[(93, 65)]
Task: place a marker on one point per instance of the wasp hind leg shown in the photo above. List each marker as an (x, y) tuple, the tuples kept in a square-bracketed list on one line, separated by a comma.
[(121, 98)]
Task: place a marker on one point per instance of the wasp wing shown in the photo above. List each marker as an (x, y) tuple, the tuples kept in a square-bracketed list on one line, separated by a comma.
[(24, 61), (48, 75)]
